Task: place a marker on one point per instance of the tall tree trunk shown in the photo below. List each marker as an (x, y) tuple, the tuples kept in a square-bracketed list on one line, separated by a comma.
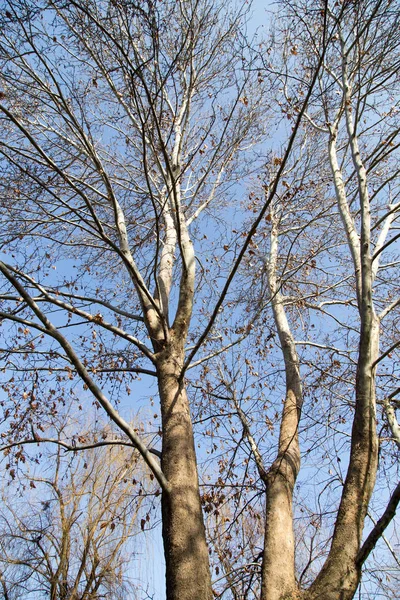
[(340, 575), (186, 554), (278, 569), (341, 572)]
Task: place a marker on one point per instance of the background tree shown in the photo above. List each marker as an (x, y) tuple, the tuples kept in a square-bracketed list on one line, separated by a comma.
[(67, 530)]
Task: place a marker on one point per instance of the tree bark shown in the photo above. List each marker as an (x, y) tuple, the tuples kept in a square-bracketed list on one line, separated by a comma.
[(278, 570), (341, 572), (186, 554)]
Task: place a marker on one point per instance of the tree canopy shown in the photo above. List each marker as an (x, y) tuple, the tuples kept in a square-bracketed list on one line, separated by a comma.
[(200, 228)]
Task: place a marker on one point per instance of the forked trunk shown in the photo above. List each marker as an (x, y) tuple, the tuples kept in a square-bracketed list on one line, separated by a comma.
[(186, 554)]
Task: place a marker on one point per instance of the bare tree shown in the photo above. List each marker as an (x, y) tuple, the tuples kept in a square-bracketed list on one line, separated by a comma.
[(122, 124), (348, 147), (67, 529), (129, 131)]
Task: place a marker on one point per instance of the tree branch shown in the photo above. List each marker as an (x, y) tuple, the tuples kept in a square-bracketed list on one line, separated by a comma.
[(37, 439), (86, 378), (379, 528)]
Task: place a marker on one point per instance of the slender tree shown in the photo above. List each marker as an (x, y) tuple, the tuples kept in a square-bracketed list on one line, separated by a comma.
[(350, 133)]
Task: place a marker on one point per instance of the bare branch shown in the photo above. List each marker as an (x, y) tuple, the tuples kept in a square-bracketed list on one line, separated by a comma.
[(380, 527)]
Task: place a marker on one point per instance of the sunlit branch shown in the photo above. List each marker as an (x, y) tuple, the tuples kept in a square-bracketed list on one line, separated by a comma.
[(95, 319), (217, 352), (388, 309), (324, 347), (393, 424)]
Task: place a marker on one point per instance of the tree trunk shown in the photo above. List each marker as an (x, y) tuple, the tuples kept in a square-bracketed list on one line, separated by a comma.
[(278, 569), (186, 554), (340, 575), (341, 572)]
